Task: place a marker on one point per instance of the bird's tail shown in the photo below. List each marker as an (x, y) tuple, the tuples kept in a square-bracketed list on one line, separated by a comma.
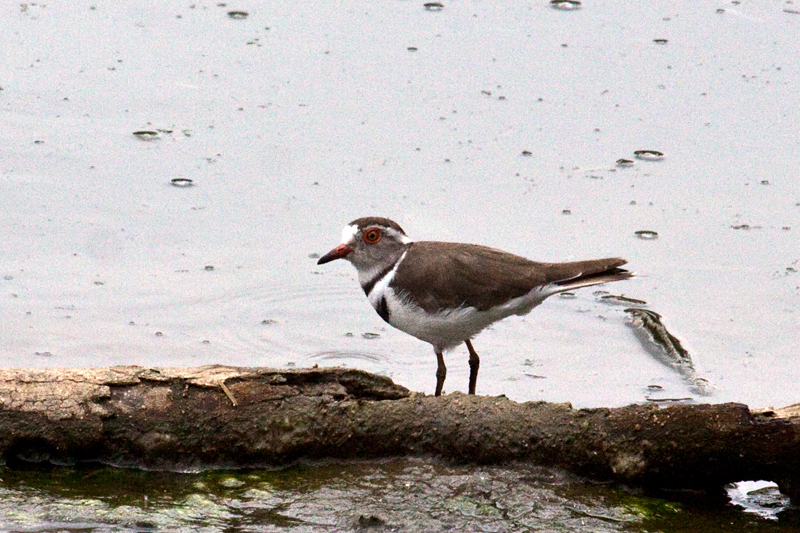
[(569, 276)]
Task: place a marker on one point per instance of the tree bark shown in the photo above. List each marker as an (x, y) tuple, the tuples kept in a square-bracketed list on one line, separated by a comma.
[(225, 417)]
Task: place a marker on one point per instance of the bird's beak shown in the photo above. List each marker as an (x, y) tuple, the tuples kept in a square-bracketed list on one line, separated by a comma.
[(339, 252)]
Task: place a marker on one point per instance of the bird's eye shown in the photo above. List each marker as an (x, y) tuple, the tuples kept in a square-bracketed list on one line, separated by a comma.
[(372, 235)]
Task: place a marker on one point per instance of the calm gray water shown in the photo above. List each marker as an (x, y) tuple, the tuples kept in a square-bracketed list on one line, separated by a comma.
[(490, 122)]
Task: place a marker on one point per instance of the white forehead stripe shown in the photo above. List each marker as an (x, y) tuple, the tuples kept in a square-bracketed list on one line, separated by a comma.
[(349, 233), (398, 235)]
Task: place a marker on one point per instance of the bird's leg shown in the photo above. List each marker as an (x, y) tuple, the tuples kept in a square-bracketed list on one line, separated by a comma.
[(474, 364), (441, 372)]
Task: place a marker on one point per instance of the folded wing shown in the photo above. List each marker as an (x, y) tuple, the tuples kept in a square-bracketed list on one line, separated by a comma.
[(436, 273)]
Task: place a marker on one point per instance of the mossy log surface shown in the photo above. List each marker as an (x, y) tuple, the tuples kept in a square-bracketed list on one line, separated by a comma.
[(226, 417)]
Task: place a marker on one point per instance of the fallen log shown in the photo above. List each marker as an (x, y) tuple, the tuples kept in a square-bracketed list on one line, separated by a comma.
[(226, 417)]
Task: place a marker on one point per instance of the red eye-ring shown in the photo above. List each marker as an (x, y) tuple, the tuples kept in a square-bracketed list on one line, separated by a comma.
[(372, 235)]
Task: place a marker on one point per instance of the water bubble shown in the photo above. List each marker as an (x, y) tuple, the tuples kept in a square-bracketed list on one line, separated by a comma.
[(565, 5), (433, 6), (646, 234), (209, 268), (182, 182), (624, 162), (567, 295), (649, 155), (146, 135), (159, 334), (412, 48), (238, 15)]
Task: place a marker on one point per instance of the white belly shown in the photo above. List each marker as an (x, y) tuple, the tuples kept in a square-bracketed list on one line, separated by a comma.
[(448, 329)]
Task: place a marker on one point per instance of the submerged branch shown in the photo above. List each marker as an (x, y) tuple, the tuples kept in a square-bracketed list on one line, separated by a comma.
[(225, 417)]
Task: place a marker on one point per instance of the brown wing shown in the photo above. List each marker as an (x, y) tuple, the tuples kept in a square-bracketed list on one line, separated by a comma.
[(440, 274)]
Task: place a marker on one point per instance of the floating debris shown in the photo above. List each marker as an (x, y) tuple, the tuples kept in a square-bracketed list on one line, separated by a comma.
[(622, 299), (670, 400), (146, 135), (433, 6), (745, 226), (370, 335), (181, 182), (660, 41), (666, 348), (568, 295), (566, 211), (527, 153), (649, 155), (209, 268), (624, 162), (238, 15), (646, 234), (565, 5)]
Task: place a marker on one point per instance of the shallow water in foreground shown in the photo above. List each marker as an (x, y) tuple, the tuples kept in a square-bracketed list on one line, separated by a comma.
[(395, 495)]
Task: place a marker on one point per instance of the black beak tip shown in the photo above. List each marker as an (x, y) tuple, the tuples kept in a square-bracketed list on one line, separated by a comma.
[(337, 253)]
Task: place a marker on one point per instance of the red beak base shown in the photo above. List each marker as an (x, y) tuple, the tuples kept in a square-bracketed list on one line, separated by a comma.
[(339, 252)]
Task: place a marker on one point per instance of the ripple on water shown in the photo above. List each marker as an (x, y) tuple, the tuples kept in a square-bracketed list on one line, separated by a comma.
[(341, 355), (649, 155), (565, 5)]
